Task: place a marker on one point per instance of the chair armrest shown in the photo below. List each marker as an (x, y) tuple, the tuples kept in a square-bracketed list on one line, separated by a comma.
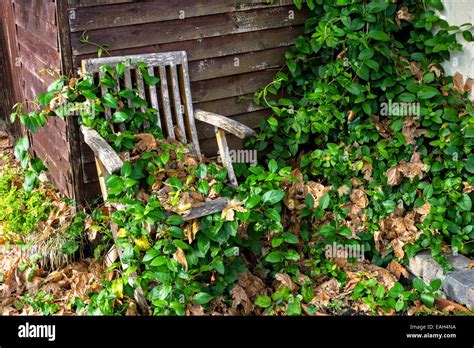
[(232, 126), (102, 150)]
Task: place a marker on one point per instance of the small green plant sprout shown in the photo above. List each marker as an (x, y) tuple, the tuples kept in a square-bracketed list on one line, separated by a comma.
[(428, 292)]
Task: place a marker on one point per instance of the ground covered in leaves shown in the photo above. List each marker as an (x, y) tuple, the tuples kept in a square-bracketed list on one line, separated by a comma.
[(34, 285)]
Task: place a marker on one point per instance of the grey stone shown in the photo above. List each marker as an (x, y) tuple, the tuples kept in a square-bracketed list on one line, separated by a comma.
[(459, 261), (458, 284)]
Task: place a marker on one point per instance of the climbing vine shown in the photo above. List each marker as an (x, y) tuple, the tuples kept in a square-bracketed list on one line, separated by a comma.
[(368, 109), (369, 150)]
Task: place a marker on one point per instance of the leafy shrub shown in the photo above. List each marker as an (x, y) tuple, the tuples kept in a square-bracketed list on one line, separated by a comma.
[(354, 59), (20, 211)]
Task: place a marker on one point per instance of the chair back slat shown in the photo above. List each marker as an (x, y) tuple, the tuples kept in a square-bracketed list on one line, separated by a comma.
[(177, 102), (103, 91), (165, 99), (171, 97), (127, 77), (188, 107), (154, 97)]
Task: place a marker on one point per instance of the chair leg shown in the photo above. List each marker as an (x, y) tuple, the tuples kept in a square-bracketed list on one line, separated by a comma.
[(225, 156), (117, 251)]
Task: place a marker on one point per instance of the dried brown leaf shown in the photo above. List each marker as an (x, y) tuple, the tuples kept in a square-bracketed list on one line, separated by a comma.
[(228, 213), (181, 258), (397, 269)]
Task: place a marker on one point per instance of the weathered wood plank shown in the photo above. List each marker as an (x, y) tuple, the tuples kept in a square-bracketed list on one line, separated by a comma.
[(250, 119), (154, 96), (127, 77), (60, 177), (225, 156), (85, 3), (231, 106), (236, 85), (36, 61), (206, 208), (73, 133), (43, 31), (165, 101), (237, 64), (45, 53), (102, 150), (125, 14), (42, 9), (189, 29), (232, 126), (156, 59), (103, 91), (177, 103), (89, 171), (188, 108), (217, 46), (141, 89), (34, 65)]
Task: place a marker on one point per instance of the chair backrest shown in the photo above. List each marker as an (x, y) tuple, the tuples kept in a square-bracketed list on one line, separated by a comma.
[(171, 96)]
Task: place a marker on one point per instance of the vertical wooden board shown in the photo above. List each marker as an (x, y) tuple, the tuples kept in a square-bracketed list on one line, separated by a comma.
[(177, 102), (127, 76), (154, 97), (35, 66), (226, 160), (140, 86), (188, 107), (103, 91), (165, 101), (43, 31), (42, 9), (48, 55)]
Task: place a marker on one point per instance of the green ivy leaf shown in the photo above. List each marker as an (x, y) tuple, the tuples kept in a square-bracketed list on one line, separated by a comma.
[(379, 35), (174, 220), (465, 204), (119, 117), (273, 196), (437, 4), (427, 299), (263, 301), (45, 98), (69, 247), (428, 92), (202, 298), (376, 6), (201, 171), (109, 100), (324, 202), (419, 284), (274, 257)]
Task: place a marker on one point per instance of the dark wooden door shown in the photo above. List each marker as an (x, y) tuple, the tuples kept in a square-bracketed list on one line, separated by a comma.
[(9, 82)]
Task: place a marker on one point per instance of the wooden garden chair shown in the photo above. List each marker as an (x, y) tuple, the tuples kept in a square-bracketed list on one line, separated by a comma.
[(172, 98)]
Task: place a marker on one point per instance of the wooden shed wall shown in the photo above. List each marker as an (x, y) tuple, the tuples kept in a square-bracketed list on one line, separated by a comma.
[(234, 47), (35, 36)]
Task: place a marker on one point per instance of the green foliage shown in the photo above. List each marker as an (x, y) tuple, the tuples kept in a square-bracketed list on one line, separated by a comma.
[(40, 302), (353, 57), (20, 211), (330, 121)]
